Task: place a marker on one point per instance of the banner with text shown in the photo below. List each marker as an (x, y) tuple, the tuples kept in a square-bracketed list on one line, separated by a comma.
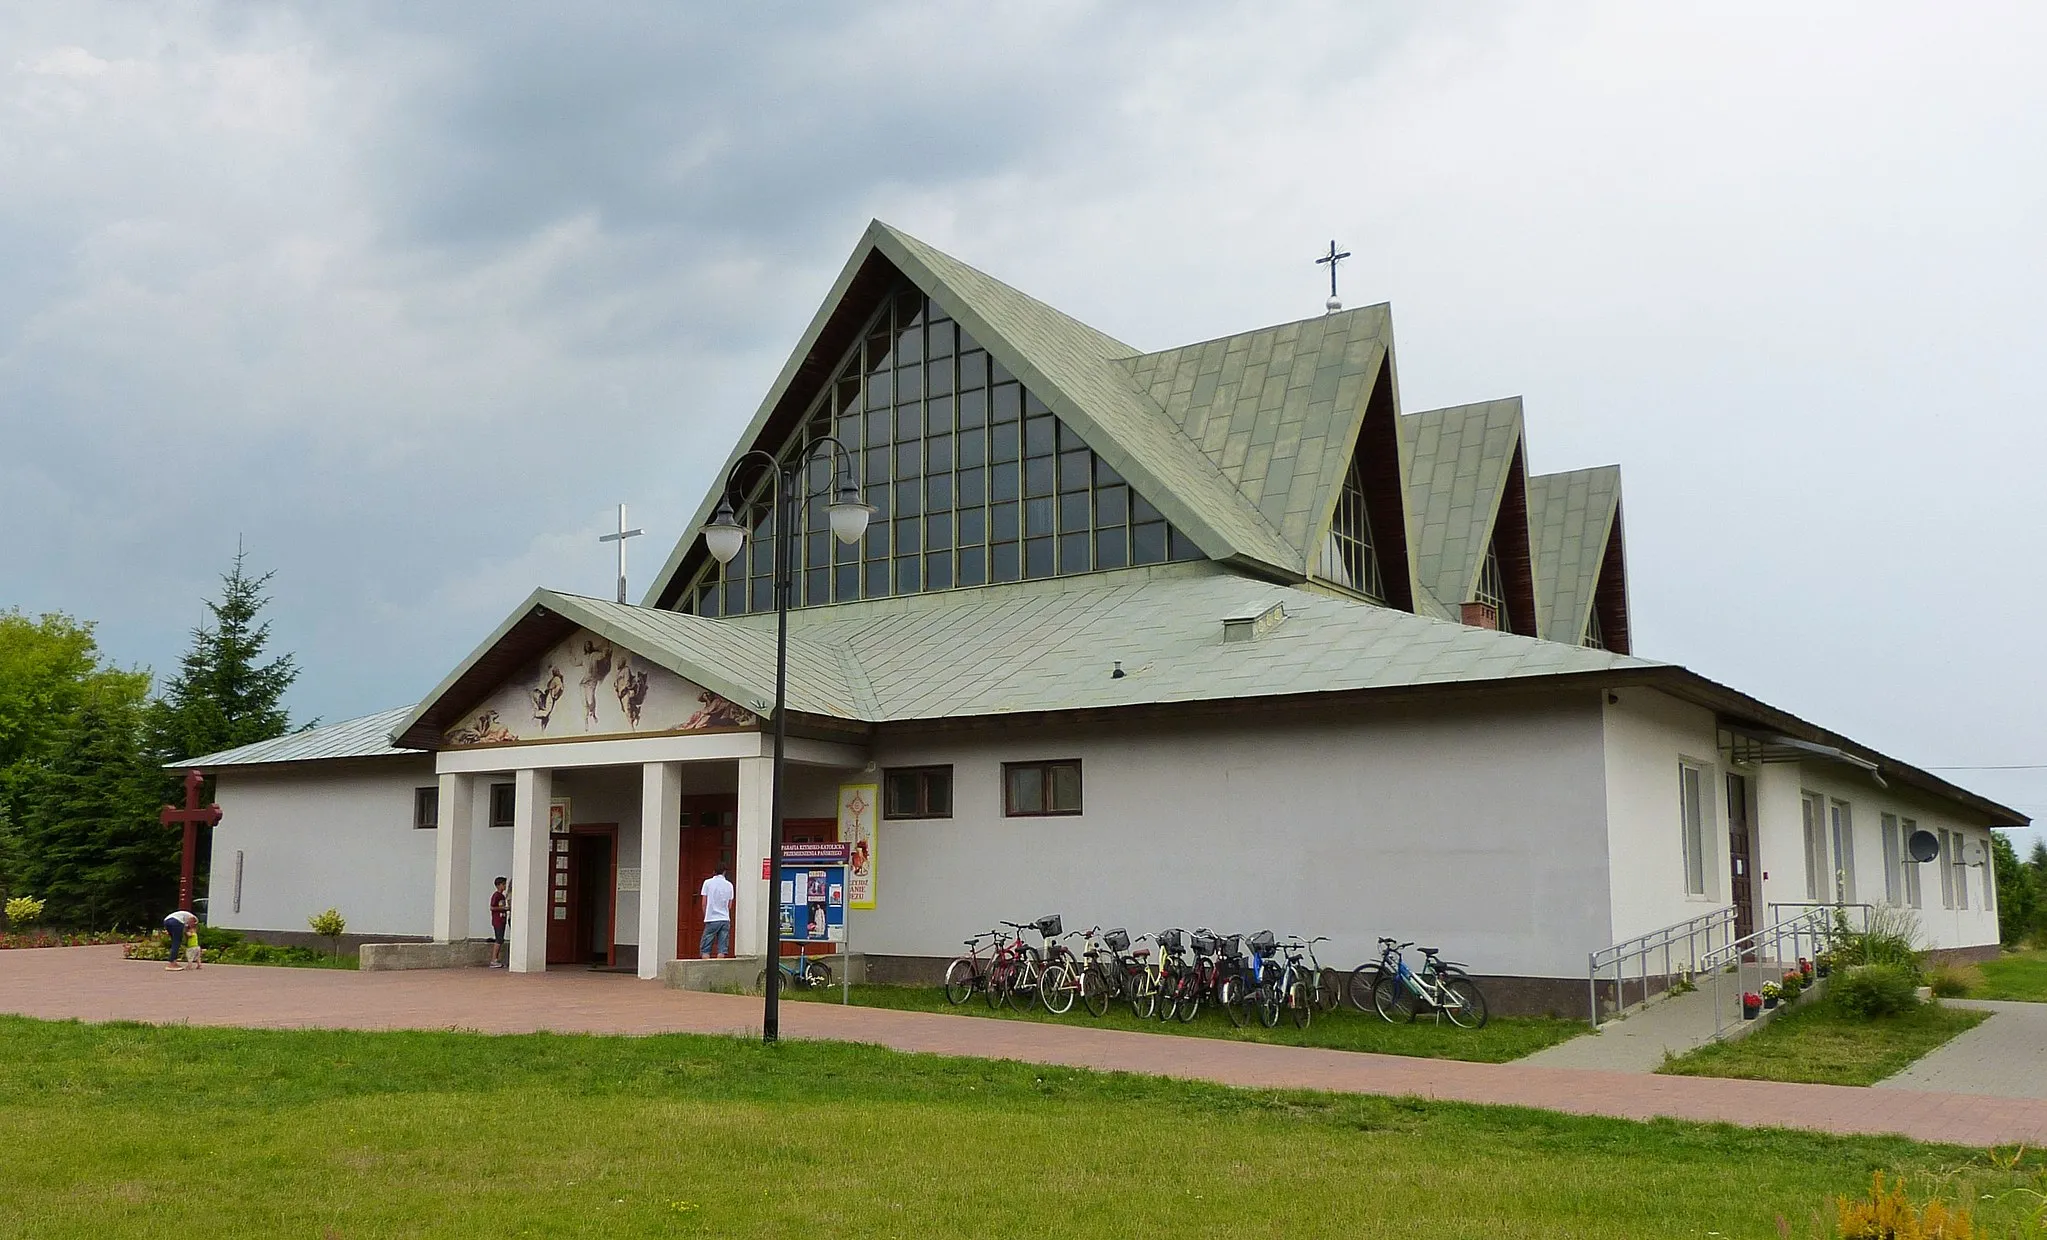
[(858, 807)]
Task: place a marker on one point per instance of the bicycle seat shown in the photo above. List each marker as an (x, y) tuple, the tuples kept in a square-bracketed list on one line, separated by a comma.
[(1428, 951), (1141, 952)]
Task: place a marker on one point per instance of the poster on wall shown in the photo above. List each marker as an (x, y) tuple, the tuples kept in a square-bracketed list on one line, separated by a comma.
[(857, 810), (558, 816)]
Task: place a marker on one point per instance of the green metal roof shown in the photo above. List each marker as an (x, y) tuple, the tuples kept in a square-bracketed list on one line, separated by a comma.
[(1277, 410), (366, 737), (1457, 472), (1569, 518)]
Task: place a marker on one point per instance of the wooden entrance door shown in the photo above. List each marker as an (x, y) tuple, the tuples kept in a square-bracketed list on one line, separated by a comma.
[(1740, 856), (583, 908), (710, 838)]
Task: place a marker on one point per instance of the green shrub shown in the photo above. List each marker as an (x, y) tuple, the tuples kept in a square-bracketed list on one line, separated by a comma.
[(23, 911), (330, 925), (1868, 991), (155, 947), (1952, 981), (212, 939), (1890, 938)]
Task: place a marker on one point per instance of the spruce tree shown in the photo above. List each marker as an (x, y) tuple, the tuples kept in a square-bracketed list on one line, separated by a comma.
[(89, 841), (224, 694)]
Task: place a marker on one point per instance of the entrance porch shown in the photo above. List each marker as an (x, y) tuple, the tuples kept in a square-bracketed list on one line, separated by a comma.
[(606, 842)]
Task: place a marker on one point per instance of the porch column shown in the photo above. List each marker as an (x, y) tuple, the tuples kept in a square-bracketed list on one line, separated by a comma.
[(531, 900), (457, 819), (660, 863), (749, 889)]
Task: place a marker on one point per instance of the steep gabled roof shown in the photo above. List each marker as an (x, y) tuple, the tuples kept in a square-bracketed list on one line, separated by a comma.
[(1072, 367), (1277, 410), (1459, 460), (1570, 516)]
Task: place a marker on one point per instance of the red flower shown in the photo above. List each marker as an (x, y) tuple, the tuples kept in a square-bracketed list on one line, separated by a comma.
[(1751, 999)]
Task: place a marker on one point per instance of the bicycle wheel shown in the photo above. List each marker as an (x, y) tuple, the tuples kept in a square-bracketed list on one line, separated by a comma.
[(1190, 996), (1094, 992), (1230, 997), (1023, 984), (1269, 1000), (1328, 990), (817, 975), (1300, 1000), (1464, 1005), (999, 977), (1144, 996), (961, 980), (760, 984), (1055, 989), (1362, 979), (1392, 1000)]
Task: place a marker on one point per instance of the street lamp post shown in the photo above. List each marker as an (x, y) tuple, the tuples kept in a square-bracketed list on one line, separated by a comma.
[(725, 536)]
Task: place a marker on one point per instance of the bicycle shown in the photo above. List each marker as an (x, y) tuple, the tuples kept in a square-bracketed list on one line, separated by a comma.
[(1442, 986), (1254, 985), (1179, 990), (1141, 981), (967, 975), (1085, 975), (1014, 972), (1293, 989), (1325, 986), (808, 973)]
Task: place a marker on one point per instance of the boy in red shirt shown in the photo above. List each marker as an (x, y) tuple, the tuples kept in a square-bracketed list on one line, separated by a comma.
[(500, 916)]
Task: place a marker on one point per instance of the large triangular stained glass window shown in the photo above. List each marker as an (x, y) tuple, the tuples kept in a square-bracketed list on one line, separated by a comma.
[(974, 481)]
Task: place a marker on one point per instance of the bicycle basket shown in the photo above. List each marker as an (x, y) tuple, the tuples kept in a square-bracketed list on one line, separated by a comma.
[(1117, 940), (1233, 946), (1169, 940), (1049, 927), (1206, 944), (1263, 941)]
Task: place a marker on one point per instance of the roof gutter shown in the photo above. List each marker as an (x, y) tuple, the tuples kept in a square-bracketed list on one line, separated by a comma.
[(1830, 752)]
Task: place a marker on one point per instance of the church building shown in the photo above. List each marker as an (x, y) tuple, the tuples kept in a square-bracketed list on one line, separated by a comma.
[(1216, 635)]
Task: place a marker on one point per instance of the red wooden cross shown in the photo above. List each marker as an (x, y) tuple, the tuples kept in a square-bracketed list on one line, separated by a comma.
[(191, 816)]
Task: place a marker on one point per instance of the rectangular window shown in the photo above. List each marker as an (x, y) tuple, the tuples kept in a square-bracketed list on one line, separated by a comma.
[(1692, 806), (1843, 829), (1906, 827), (1947, 870), (1817, 885), (917, 792), (426, 808), (1893, 876), (1039, 789), (1961, 870), (1989, 880), (503, 803)]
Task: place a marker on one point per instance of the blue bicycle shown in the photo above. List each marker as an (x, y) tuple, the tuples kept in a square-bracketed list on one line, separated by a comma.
[(1442, 986)]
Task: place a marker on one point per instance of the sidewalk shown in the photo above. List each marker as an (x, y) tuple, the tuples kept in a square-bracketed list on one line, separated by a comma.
[(1638, 1043), (95, 984)]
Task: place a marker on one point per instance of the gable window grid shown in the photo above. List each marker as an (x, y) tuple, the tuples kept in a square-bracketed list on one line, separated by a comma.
[(504, 804), (1041, 789), (1818, 886), (974, 481), (1893, 862), (1594, 638), (1348, 559), (1906, 827), (1691, 779), (426, 808), (916, 792)]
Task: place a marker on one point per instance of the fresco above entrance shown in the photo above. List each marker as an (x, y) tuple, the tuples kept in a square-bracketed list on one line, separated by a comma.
[(589, 687)]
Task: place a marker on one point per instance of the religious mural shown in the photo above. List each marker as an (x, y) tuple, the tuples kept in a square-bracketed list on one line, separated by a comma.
[(589, 686)]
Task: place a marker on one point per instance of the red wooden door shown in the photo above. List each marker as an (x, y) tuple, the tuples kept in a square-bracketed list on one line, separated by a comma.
[(710, 838), (1740, 856), (582, 895)]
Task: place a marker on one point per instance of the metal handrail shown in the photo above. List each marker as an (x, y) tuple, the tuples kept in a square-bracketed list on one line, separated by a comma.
[(1679, 943), (1866, 911), (1808, 934)]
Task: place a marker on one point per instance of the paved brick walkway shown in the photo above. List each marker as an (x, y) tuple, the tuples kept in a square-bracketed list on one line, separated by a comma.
[(94, 983), (2005, 1055)]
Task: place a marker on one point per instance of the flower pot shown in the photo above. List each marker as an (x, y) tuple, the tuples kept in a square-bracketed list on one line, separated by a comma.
[(1824, 969), (1770, 1002), (1750, 1011)]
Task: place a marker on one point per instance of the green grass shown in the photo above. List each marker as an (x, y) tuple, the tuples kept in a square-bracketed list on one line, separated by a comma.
[(127, 1130), (1345, 1029), (2016, 976), (1819, 1043)]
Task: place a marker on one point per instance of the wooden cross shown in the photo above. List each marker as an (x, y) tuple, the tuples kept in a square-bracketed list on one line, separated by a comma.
[(190, 817), (1332, 258), (619, 538)]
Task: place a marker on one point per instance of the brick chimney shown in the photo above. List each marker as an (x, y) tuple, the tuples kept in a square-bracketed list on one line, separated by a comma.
[(1481, 616)]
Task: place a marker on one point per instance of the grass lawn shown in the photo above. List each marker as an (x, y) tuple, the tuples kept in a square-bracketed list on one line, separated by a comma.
[(129, 1130), (1345, 1029), (1818, 1043), (2020, 976)]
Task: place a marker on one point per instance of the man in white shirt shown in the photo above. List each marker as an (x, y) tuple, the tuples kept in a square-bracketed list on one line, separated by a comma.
[(717, 936), (179, 925)]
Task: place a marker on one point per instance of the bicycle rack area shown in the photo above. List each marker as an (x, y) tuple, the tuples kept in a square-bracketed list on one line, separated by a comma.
[(1678, 948)]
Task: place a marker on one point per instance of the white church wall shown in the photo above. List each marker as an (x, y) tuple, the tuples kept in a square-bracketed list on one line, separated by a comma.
[(1648, 736), (1476, 827), (320, 837)]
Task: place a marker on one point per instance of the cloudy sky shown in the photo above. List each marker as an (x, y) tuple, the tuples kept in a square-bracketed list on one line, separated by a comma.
[(407, 297)]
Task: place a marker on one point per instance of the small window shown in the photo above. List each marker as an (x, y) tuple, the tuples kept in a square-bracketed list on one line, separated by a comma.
[(1843, 825), (426, 808), (1692, 806), (503, 803), (1989, 881), (1947, 871), (1817, 885), (1961, 870), (1039, 789), (917, 792), (1906, 827), (1893, 869)]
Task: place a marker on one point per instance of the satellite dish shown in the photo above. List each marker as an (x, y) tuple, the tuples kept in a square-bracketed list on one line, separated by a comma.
[(1923, 846)]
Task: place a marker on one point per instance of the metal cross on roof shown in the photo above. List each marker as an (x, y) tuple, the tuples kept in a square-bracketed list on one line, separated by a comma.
[(619, 538), (1333, 258)]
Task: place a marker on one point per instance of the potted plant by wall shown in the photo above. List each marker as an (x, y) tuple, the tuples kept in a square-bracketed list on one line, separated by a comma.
[(1823, 963), (1751, 1005), (1805, 967), (1793, 982), (1772, 991)]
